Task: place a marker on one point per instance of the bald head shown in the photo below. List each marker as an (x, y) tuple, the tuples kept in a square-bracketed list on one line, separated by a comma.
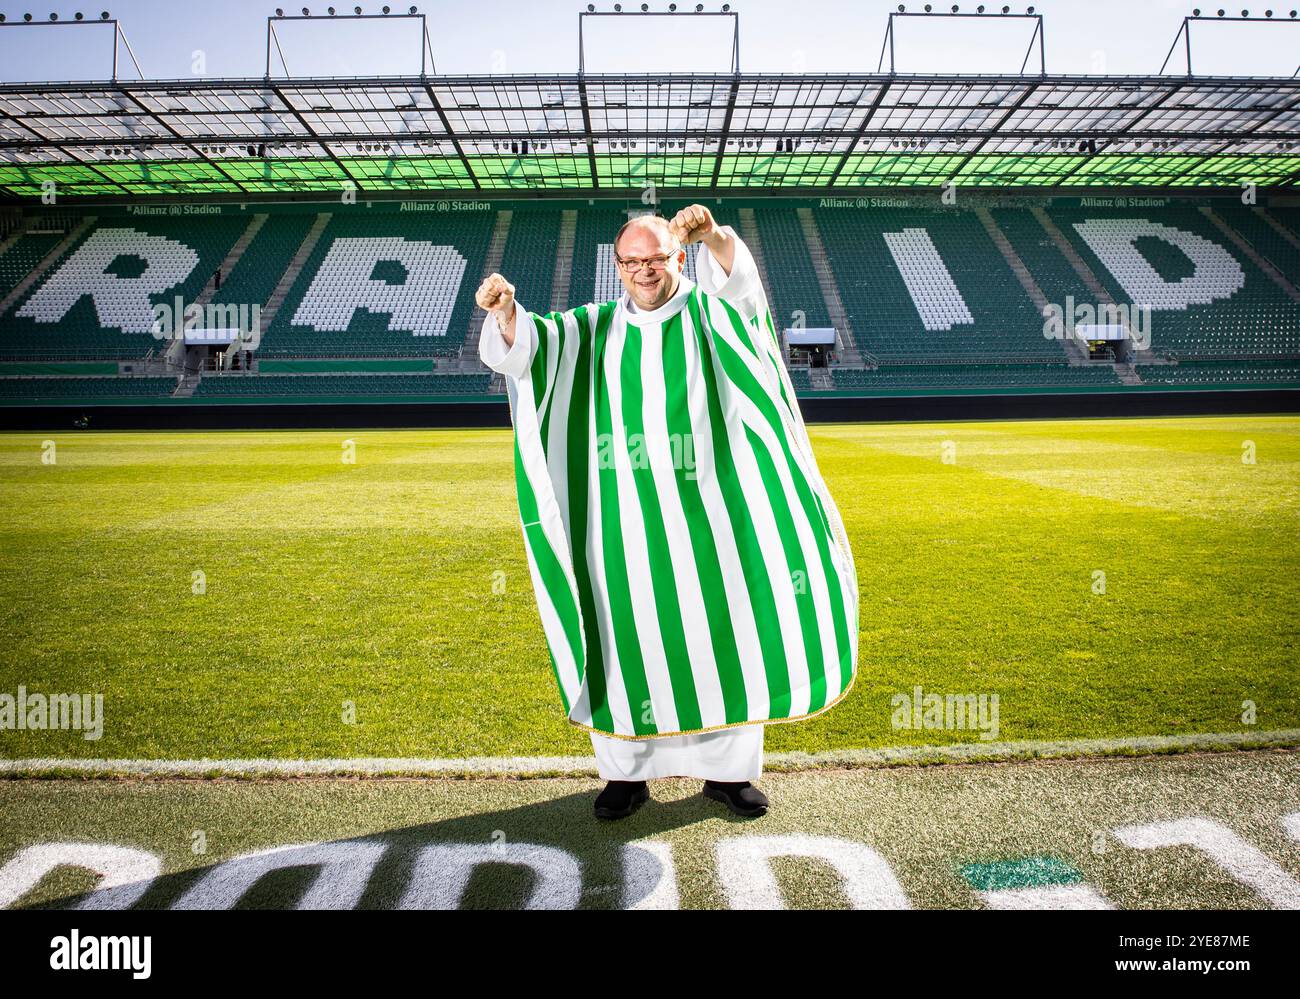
[(656, 225)]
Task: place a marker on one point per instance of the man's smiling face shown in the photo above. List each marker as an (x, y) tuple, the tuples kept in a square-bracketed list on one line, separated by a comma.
[(649, 287)]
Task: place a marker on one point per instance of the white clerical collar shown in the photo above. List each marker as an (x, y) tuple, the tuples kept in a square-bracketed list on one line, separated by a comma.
[(670, 308)]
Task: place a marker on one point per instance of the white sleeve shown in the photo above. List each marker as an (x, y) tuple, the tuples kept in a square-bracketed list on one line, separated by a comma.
[(493, 351), (742, 288)]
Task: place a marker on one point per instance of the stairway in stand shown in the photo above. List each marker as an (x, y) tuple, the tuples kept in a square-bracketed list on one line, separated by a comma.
[(232, 258), (848, 349), (467, 359), (295, 267), (564, 260), (47, 262), (1275, 275)]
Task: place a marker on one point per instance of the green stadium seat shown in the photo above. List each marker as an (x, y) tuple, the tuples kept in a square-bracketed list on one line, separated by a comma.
[(945, 377), (1055, 276), (40, 326), (370, 384), (1227, 374), (1250, 317), (529, 258), (1264, 239), (989, 318), (22, 257), (264, 261), (100, 388), (785, 250), (450, 249)]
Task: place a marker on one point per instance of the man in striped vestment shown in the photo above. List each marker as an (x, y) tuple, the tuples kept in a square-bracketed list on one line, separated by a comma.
[(692, 573)]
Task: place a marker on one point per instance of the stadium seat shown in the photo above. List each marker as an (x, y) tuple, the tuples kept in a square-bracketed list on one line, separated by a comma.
[(52, 321), (529, 258), (417, 270), (98, 388), (797, 293), (325, 386), (933, 302), (890, 263), (22, 257), (1237, 312)]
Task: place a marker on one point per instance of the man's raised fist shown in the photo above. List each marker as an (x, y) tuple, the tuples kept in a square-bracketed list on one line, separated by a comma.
[(496, 294), (692, 224)]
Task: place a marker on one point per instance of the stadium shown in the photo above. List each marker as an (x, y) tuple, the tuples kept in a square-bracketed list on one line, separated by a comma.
[(1044, 328)]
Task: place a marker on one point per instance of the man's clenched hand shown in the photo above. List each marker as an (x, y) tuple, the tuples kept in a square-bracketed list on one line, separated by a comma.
[(692, 224), (496, 294), (695, 224)]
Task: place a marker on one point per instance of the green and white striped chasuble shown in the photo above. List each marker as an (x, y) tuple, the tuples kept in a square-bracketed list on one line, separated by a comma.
[(691, 570)]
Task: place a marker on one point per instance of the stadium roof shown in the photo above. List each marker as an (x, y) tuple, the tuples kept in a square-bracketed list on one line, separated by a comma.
[(608, 133)]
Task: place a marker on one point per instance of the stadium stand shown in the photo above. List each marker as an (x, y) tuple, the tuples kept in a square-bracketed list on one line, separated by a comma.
[(265, 260), (384, 386), (924, 284), (786, 248), (103, 387), (800, 380), (975, 376), (1267, 241), (1051, 270), (384, 284), (95, 301), (530, 256), (1289, 217), (1232, 310), (383, 292), (1215, 374), (21, 258)]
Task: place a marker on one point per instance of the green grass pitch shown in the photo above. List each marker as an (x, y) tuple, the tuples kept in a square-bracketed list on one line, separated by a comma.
[(377, 584)]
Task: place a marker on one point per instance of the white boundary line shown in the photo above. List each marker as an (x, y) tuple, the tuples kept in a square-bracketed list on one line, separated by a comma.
[(582, 766)]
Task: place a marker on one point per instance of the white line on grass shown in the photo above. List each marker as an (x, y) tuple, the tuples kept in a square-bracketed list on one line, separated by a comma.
[(581, 766)]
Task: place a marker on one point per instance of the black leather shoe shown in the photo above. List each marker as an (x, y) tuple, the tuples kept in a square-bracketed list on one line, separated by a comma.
[(621, 798), (741, 797)]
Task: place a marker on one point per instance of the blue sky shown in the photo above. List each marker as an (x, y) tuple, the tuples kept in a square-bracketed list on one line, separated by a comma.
[(517, 36)]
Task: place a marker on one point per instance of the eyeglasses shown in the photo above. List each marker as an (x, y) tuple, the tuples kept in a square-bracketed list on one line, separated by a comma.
[(634, 264)]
